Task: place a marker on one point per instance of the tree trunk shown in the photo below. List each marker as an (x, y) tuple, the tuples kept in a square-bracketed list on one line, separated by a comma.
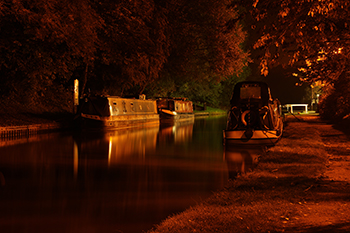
[(84, 81)]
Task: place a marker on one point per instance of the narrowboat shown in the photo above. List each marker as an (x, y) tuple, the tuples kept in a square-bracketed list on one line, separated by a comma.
[(111, 112), (254, 117), (175, 109)]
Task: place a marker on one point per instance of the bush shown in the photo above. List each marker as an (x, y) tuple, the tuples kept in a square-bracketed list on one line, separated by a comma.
[(335, 102)]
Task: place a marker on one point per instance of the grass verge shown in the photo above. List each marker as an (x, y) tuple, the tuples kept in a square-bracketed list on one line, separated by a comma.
[(212, 111)]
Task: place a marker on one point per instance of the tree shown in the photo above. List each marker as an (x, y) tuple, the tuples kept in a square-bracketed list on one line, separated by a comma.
[(43, 42), (116, 47), (204, 43), (312, 36), (206, 46), (134, 44)]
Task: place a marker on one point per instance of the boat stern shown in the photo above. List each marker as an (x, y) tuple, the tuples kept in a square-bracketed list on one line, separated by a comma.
[(251, 136)]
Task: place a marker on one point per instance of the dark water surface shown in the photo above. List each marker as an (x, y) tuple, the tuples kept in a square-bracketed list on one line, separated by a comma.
[(120, 181)]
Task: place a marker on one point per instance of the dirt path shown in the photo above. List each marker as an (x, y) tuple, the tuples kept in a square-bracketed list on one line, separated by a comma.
[(326, 205), (337, 146), (300, 185)]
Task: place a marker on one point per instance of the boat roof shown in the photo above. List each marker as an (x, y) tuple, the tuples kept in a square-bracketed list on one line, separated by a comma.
[(172, 98), (239, 91)]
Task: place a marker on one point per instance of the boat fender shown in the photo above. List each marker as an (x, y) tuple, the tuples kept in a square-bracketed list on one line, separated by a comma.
[(263, 110), (263, 113), (229, 121), (243, 117)]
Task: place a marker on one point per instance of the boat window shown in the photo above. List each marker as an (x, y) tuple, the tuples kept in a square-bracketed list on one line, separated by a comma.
[(114, 107), (171, 105), (124, 106), (250, 92)]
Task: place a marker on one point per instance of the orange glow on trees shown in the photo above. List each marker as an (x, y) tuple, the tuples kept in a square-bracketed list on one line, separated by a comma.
[(312, 36)]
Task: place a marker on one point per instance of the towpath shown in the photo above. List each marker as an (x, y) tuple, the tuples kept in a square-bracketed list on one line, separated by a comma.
[(300, 185)]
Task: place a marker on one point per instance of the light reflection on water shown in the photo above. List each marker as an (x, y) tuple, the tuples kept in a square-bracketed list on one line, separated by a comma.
[(120, 181), (241, 160)]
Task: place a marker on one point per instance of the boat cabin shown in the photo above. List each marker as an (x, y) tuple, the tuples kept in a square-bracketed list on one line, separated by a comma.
[(116, 112), (179, 104), (257, 92)]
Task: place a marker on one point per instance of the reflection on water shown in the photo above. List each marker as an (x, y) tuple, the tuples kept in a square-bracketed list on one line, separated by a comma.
[(241, 160), (120, 145), (176, 132), (120, 181)]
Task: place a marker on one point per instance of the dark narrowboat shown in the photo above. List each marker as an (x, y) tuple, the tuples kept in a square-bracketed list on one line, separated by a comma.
[(254, 117)]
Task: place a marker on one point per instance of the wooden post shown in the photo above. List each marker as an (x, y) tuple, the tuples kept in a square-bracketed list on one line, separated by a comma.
[(76, 96)]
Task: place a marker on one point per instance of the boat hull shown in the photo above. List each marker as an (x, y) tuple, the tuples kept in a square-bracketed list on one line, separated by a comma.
[(118, 122), (253, 137), (167, 115)]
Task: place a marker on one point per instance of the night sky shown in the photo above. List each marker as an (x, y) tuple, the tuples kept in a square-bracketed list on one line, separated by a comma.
[(283, 87), (281, 83)]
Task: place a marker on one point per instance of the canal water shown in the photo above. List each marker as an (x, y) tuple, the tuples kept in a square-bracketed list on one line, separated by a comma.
[(119, 181)]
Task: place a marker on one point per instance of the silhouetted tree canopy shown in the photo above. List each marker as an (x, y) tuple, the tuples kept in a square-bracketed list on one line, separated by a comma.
[(116, 47), (43, 42), (206, 50), (134, 43)]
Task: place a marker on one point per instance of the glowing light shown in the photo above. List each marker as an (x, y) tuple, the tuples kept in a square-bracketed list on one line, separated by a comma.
[(111, 110), (109, 151), (75, 159), (339, 51), (308, 62), (321, 58)]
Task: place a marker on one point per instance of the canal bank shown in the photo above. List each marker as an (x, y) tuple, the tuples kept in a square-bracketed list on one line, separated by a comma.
[(300, 185), (25, 125)]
